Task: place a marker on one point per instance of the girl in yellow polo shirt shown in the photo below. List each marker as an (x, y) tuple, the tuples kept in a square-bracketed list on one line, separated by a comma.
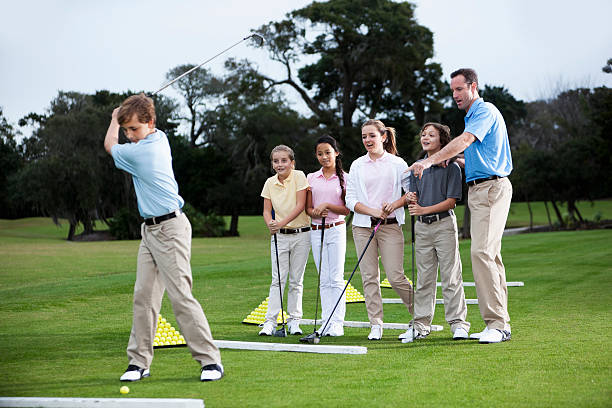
[(285, 194)]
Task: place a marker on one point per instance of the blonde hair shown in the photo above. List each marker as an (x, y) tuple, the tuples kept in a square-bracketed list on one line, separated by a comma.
[(283, 148), (389, 144)]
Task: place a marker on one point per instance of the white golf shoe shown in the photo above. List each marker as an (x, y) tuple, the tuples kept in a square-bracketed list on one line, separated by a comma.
[(335, 330), (477, 336), (268, 329), (460, 334), (211, 372), (135, 373), (406, 337), (375, 332), (494, 336)]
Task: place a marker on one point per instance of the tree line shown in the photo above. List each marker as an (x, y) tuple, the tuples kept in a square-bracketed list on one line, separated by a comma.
[(347, 61)]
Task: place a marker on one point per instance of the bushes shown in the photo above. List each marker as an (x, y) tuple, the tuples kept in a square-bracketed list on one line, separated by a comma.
[(204, 225)]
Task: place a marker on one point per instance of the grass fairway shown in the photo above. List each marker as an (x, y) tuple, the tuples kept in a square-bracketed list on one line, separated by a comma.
[(65, 318)]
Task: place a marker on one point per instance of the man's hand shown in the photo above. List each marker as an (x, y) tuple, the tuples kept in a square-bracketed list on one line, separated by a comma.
[(419, 167), (416, 209), (115, 114)]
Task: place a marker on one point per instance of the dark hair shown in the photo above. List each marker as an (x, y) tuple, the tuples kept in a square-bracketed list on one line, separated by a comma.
[(443, 131), (339, 171), (389, 143), (141, 105), (468, 73)]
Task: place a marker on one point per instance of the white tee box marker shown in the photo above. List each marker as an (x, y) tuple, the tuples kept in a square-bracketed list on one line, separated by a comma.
[(300, 348), (438, 301), (386, 326), (51, 402), (473, 284)]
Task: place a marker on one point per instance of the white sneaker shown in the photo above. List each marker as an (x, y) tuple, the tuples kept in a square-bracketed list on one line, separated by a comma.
[(294, 327), (494, 336), (212, 372), (135, 373), (477, 336), (268, 329), (336, 330), (375, 332), (460, 334), (406, 337)]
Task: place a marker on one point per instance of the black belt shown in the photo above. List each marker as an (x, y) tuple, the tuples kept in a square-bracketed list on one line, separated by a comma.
[(293, 230), (383, 222), (429, 218), (161, 218), (482, 180)]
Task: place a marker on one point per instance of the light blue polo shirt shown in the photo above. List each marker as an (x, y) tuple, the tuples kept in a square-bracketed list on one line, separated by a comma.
[(489, 155), (150, 163)]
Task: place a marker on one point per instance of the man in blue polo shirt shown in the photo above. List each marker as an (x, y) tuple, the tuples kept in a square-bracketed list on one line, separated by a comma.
[(165, 250), (487, 163)]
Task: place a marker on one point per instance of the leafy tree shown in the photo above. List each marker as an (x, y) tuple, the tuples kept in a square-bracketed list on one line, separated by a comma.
[(370, 57), (11, 162), (608, 67), (201, 91)]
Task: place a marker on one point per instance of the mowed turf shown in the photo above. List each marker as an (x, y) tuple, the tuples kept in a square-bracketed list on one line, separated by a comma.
[(65, 318)]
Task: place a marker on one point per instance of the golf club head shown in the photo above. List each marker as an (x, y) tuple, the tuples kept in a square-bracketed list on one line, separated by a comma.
[(282, 332), (257, 39), (312, 338)]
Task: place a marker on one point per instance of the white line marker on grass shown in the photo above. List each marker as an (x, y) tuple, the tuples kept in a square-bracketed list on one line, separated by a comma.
[(100, 402), (388, 326), (438, 301), (300, 348)]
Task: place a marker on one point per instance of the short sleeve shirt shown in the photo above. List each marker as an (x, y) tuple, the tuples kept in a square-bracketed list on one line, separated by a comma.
[(284, 197), (149, 161), (490, 154), (437, 184), (326, 191)]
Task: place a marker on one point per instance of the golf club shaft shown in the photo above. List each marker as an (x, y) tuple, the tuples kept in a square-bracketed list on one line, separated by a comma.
[(413, 281), (205, 62), (353, 273), (280, 286), (319, 275)]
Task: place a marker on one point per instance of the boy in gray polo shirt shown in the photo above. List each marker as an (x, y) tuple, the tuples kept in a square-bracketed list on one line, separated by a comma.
[(432, 199), (165, 250)]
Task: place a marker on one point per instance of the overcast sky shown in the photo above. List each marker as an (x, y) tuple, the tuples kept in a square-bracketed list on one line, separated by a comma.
[(531, 47)]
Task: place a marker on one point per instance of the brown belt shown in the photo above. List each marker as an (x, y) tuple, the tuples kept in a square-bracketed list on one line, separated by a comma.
[(318, 227)]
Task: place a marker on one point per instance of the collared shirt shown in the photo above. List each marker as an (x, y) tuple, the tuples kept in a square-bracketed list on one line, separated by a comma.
[(149, 161), (326, 191), (284, 197), (489, 155), (392, 175), (437, 184)]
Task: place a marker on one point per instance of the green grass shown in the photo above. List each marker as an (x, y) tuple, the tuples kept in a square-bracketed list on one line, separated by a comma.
[(66, 315)]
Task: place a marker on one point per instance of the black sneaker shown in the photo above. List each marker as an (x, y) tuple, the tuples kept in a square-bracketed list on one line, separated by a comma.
[(135, 373), (212, 372)]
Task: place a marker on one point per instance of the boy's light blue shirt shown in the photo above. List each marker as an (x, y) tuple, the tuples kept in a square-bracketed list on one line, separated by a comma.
[(489, 155), (150, 163)]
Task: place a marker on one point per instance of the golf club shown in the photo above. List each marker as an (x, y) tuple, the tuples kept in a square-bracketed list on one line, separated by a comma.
[(258, 38), (314, 338), (282, 332), (314, 329), (413, 281)]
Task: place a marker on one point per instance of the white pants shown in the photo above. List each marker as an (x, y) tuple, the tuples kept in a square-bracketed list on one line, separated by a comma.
[(332, 271), (293, 252)]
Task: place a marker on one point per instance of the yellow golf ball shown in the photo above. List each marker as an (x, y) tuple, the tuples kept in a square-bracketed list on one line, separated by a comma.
[(124, 390)]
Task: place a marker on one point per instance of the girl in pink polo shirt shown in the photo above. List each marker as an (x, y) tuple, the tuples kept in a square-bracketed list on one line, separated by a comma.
[(325, 199), (374, 193), (285, 194)]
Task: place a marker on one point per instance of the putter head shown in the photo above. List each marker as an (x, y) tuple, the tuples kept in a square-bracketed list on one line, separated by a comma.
[(312, 338), (282, 332)]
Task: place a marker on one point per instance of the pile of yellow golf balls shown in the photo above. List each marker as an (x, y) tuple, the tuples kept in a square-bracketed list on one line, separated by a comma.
[(166, 334), (258, 316)]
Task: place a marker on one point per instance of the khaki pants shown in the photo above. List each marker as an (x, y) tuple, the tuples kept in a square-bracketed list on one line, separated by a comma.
[(164, 264), (436, 245), (293, 250), (389, 242), (489, 203)]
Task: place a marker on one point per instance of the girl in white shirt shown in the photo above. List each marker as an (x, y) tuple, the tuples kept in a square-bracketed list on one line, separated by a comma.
[(374, 193)]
